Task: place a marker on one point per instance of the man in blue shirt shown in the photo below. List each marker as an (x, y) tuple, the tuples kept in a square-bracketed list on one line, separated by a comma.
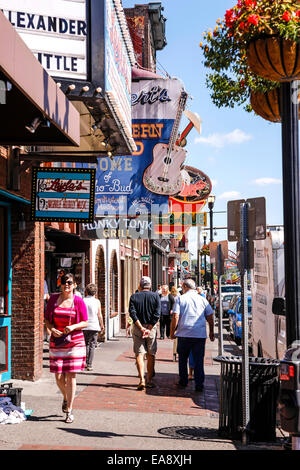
[(190, 313)]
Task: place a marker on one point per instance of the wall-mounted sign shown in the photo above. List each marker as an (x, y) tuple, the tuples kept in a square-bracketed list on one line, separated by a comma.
[(86, 46), (182, 218), (196, 187), (185, 260), (56, 32), (117, 66), (185, 207), (63, 194), (135, 228), (119, 180)]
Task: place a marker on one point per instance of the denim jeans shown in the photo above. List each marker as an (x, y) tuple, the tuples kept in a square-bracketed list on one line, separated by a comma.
[(90, 337), (184, 347)]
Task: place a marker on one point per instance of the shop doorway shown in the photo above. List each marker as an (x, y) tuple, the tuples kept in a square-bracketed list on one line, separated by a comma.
[(100, 283), (57, 264), (114, 284), (5, 292), (122, 282)]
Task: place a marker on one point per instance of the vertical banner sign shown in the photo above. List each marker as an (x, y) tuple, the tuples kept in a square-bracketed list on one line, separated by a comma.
[(117, 67), (55, 31), (185, 261), (120, 194), (61, 194)]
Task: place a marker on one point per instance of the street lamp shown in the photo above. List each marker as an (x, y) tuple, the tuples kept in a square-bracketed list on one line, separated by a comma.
[(211, 202), (204, 243)]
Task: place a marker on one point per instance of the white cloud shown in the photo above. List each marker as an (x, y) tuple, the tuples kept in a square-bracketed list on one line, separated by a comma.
[(265, 181), (229, 195), (221, 140)]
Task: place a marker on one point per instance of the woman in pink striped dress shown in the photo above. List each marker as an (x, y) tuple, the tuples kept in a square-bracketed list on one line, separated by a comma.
[(66, 315)]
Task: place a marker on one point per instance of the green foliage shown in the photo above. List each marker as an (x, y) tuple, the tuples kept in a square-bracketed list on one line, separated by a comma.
[(224, 49)]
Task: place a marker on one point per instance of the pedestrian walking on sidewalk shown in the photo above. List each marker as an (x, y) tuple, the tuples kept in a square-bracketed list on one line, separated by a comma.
[(95, 323), (190, 313), (144, 309), (175, 294), (166, 306), (66, 316)]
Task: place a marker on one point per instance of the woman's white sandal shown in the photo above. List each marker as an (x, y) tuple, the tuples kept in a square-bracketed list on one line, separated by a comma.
[(69, 417)]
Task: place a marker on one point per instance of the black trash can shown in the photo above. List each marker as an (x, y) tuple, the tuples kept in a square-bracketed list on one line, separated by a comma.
[(7, 390), (263, 395)]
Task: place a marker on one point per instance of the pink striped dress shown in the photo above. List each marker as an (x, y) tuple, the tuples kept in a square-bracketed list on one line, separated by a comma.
[(71, 356)]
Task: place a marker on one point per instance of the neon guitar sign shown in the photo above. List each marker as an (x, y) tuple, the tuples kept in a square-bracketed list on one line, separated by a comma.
[(157, 178)]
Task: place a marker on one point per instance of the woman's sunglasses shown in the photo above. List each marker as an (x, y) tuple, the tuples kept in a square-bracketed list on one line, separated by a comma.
[(67, 282)]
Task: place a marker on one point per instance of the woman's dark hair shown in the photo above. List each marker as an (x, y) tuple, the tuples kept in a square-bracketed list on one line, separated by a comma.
[(67, 277), (91, 289)]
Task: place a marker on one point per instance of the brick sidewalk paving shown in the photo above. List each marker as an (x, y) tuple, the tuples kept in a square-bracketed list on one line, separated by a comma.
[(111, 414), (119, 393)]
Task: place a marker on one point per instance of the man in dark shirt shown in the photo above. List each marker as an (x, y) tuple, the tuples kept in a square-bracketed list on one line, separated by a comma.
[(144, 309)]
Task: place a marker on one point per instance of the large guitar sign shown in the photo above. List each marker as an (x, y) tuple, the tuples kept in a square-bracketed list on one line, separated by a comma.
[(157, 177)]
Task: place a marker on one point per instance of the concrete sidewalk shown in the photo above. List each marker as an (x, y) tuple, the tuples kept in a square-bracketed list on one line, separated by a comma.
[(110, 414)]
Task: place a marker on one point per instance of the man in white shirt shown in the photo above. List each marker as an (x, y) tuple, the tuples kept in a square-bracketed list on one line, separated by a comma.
[(190, 313)]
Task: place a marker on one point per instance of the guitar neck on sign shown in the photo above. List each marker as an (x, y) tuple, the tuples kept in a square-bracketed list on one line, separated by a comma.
[(157, 177)]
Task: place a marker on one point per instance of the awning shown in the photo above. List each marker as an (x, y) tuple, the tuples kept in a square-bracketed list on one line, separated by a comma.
[(29, 95)]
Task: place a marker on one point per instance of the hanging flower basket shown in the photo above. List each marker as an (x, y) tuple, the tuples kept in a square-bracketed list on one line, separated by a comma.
[(274, 58), (254, 48), (267, 105)]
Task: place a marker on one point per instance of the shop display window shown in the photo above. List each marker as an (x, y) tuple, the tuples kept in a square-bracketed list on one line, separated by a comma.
[(3, 263), (3, 349)]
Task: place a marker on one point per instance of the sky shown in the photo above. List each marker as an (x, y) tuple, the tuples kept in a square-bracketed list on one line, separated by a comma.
[(240, 152)]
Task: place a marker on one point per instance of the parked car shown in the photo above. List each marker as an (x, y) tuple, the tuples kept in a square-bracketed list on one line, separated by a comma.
[(235, 318), (226, 303), (227, 290)]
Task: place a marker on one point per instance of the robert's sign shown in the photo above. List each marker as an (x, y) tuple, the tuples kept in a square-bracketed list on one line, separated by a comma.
[(55, 31)]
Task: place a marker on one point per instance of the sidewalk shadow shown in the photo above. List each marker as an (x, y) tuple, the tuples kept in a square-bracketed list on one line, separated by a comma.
[(166, 387), (87, 433), (45, 418)]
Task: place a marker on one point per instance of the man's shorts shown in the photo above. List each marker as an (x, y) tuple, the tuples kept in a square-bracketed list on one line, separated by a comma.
[(144, 345)]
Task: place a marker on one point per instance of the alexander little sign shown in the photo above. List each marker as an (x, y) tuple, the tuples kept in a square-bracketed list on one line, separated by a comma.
[(55, 31)]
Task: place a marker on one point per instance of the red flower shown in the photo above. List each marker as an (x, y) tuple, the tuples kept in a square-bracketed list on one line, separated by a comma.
[(254, 19), (229, 13), (229, 18), (298, 13), (242, 25), (250, 3), (286, 16)]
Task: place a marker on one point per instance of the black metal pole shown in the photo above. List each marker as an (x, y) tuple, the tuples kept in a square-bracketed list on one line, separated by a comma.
[(291, 207), (211, 239), (205, 272)]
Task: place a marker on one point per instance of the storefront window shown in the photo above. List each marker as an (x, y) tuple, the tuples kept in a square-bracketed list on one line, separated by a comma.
[(3, 349), (3, 262)]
